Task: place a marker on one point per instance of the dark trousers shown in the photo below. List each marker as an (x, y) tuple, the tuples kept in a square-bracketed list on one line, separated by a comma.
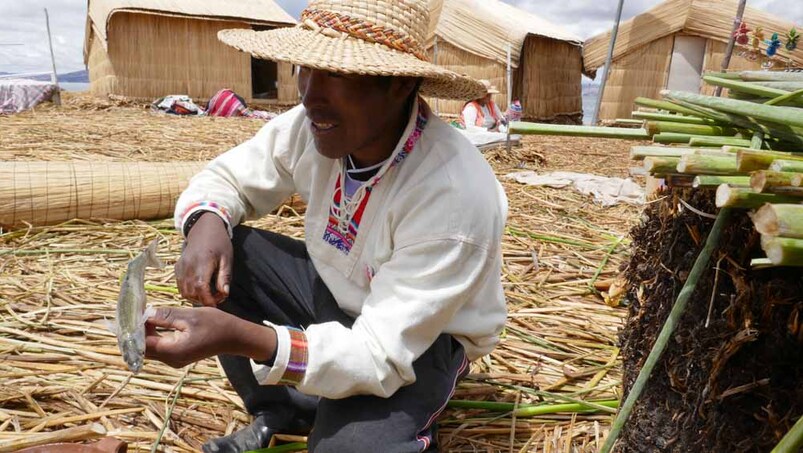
[(273, 279)]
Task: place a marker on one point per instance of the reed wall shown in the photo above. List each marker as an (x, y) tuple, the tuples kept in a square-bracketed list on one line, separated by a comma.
[(548, 80), (642, 72)]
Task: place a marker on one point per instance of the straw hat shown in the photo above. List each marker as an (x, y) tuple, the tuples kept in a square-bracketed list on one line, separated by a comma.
[(489, 89), (370, 37)]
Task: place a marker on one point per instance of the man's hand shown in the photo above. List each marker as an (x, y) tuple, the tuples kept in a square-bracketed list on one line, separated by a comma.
[(193, 334), (203, 272)]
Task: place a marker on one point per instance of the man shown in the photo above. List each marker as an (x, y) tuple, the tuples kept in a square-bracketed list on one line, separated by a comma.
[(483, 112), (362, 331)]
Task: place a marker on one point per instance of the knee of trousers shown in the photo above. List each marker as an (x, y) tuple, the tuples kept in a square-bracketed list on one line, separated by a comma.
[(351, 439), (365, 438)]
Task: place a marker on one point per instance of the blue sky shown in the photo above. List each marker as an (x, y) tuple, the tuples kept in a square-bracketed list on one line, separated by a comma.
[(23, 38)]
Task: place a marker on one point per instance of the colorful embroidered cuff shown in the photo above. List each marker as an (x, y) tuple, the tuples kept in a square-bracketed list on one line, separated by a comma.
[(221, 211), (272, 375), (290, 365), (297, 365)]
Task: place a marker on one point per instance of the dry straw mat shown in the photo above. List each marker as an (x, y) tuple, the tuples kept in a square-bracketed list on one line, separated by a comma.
[(369, 37)]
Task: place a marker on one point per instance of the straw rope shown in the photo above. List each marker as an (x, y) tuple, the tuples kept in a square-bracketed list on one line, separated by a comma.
[(316, 19), (45, 193)]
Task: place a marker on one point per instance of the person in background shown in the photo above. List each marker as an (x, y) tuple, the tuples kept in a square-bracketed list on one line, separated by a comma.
[(483, 112)]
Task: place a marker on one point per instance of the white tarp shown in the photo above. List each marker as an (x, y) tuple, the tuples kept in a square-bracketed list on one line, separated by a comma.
[(606, 191), (483, 139), (17, 95)]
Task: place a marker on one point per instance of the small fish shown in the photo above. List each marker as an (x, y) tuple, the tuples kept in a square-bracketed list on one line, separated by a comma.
[(131, 310)]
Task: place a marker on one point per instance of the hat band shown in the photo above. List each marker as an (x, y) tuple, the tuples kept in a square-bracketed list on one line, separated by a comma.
[(317, 19)]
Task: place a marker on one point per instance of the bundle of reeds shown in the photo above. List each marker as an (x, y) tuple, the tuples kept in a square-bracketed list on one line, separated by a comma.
[(749, 146), (46, 193)]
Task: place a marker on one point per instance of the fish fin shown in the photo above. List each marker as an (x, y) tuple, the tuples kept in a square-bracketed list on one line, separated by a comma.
[(150, 254), (149, 313), (113, 328)]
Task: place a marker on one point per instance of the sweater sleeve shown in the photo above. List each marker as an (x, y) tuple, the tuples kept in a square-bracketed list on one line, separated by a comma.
[(413, 297), (248, 181)]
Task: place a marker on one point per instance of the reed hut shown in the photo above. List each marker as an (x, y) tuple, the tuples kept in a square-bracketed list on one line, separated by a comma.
[(472, 37), (152, 48), (671, 46)]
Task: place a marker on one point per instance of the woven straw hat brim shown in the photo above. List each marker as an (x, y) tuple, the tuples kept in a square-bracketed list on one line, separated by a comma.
[(350, 55)]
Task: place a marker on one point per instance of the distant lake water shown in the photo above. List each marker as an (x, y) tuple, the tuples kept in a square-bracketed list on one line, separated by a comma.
[(67, 86)]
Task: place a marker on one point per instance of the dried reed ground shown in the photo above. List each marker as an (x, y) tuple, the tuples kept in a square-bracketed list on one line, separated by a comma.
[(60, 368)]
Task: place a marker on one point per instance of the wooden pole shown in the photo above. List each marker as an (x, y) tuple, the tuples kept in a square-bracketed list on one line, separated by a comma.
[(726, 61), (608, 62), (509, 94), (53, 76)]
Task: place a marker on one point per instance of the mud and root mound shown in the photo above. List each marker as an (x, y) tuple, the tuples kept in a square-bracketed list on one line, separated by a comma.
[(731, 377)]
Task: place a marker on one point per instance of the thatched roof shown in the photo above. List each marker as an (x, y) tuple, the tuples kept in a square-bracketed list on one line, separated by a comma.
[(485, 27), (711, 19), (265, 12)]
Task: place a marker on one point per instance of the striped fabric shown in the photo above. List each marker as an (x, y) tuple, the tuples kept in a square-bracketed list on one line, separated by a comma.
[(226, 103), (297, 366)]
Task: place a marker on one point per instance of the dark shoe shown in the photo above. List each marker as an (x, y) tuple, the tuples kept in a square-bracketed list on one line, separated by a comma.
[(254, 436)]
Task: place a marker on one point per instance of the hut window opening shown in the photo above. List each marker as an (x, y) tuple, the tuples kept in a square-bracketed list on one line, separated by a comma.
[(264, 76)]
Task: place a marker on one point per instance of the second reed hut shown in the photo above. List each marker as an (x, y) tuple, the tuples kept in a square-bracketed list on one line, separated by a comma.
[(152, 48), (472, 36), (669, 47)]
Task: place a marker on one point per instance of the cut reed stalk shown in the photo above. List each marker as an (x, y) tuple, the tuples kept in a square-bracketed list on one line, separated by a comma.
[(751, 160), (665, 105), (697, 164), (765, 180), (784, 220), (652, 116), (661, 165), (745, 198), (579, 131), (711, 181), (718, 141), (783, 251), (641, 152), (657, 127), (787, 165)]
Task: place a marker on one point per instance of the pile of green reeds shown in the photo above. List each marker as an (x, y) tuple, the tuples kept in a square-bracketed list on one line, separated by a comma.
[(748, 146)]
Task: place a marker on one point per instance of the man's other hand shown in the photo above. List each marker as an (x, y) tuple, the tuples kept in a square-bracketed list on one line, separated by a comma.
[(203, 272), (188, 335)]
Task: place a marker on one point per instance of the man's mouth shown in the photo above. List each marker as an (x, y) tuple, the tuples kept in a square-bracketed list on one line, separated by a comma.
[(320, 127)]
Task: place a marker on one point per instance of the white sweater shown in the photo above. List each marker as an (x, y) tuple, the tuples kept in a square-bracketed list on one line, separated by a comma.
[(425, 259)]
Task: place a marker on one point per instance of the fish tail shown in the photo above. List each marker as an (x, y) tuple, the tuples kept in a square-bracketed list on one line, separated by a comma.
[(150, 255)]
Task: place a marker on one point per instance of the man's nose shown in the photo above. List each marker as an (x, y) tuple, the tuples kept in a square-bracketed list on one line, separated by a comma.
[(312, 85)]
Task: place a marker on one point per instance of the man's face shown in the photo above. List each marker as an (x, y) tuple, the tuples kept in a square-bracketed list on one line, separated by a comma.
[(351, 113)]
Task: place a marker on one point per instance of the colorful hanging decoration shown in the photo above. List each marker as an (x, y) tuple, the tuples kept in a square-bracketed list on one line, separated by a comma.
[(742, 34), (749, 44), (791, 40), (773, 44), (756, 38)]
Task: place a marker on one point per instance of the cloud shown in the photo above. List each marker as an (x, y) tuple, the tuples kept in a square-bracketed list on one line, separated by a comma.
[(23, 23)]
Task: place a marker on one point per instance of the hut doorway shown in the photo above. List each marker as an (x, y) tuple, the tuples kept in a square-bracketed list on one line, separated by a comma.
[(264, 76), (686, 68)]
